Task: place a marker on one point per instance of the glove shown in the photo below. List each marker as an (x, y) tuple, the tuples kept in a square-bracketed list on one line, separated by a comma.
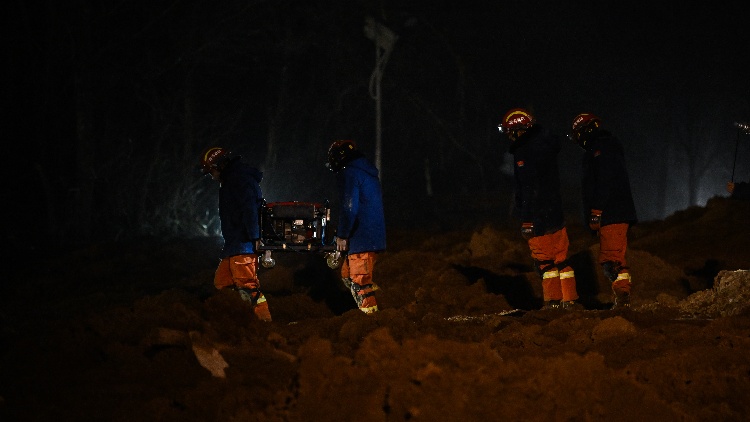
[(342, 244), (595, 220), (527, 230)]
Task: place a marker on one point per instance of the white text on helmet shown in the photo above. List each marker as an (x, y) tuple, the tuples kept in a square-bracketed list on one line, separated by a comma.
[(578, 120), (517, 120), (213, 154)]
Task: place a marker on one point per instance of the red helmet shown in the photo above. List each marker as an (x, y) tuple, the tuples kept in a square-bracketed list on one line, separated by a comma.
[(212, 158), (516, 119), (583, 121), (340, 153)]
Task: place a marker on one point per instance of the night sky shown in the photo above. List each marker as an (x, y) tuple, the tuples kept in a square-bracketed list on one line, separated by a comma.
[(108, 104)]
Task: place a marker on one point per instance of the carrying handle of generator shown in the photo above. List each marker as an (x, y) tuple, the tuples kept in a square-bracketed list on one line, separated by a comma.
[(266, 260)]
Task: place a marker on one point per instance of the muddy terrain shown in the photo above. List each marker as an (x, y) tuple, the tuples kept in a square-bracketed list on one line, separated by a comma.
[(135, 331)]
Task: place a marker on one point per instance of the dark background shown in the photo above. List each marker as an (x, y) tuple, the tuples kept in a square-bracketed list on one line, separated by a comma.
[(109, 103)]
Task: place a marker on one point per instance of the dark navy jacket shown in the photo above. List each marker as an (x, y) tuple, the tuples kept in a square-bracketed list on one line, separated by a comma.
[(606, 185), (741, 190), (361, 218), (240, 198), (537, 178)]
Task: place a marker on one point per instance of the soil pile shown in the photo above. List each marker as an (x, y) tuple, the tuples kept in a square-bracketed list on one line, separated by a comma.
[(137, 332)]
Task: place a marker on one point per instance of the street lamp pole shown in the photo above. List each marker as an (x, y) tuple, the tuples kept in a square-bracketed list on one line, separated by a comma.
[(384, 39)]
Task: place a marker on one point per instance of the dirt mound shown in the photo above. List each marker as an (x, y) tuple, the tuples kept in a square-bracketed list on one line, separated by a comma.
[(729, 296), (137, 332)]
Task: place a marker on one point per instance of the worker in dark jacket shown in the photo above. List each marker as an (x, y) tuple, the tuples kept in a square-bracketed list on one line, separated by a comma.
[(361, 222), (538, 205), (739, 190), (607, 200), (240, 198)]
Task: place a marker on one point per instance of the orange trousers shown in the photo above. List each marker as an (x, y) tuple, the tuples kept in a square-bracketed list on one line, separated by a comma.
[(358, 267), (240, 272), (613, 243), (551, 251)]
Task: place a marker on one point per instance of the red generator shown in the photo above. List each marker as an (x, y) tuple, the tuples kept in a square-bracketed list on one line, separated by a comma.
[(296, 226)]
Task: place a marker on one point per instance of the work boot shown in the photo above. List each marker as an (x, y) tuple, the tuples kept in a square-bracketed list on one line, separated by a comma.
[(571, 305), (257, 301), (369, 309), (261, 311), (622, 300), (364, 296), (621, 290), (551, 304)]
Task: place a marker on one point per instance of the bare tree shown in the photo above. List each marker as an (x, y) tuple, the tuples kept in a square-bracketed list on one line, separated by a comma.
[(700, 132)]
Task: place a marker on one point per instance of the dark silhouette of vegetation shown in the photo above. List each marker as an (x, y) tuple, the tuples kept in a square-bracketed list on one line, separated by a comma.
[(112, 103)]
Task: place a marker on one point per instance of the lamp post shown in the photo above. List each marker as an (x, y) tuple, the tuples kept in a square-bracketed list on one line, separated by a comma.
[(384, 40)]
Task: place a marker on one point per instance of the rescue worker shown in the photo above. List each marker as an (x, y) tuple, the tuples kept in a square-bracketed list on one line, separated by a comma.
[(538, 204), (607, 200), (739, 190), (361, 222), (240, 198)]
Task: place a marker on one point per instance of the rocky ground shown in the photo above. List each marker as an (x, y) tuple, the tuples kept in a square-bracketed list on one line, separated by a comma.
[(125, 332)]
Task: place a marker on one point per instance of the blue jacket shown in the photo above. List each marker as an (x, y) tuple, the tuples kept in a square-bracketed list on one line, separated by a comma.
[(537, 179), (605, 182), (361, 218), (240, 198)]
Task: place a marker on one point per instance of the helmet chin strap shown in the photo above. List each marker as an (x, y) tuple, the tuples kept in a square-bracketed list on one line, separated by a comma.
[(583, 135)]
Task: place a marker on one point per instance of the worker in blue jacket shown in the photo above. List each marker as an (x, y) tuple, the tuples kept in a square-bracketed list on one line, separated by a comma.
[(361, 222), (240, 198)]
